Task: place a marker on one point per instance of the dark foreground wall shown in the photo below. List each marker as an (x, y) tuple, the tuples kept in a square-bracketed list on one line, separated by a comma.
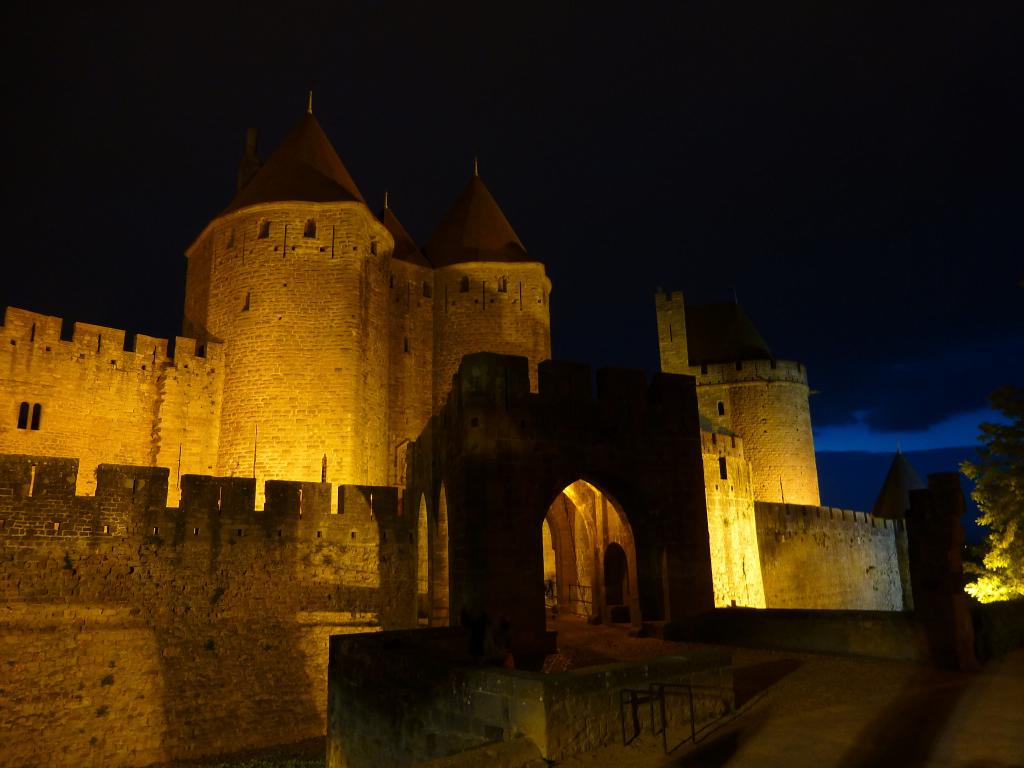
[(877, 634), (132, 633), (401, 698)]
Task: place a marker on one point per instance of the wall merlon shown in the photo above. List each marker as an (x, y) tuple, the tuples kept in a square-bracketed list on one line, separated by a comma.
[(42, 334)]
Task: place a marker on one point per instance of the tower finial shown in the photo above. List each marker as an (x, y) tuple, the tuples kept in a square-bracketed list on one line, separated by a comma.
[(309, 104), (476, 166), (385, 199)]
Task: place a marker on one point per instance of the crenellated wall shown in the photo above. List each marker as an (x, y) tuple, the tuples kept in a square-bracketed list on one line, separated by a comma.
[(105, 396), (134, 633), (821, 557)]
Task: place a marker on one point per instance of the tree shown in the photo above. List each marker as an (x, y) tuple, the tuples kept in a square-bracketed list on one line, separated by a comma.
[(998, 475)]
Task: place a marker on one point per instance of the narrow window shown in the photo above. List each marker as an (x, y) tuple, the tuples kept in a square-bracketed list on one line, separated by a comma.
[(264, 232), (739, 365), (248, 298), (37, 413), (721, 468), (704, 369), (373, 247), (33, 336), (464, 285), (231, 238), (23, 416), (721, 408), (406, 343), (310, 229), (502, 285), (391, 280), (428, 292)]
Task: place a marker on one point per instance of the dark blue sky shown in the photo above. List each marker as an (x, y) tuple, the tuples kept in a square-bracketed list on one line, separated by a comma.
[(852, 171)]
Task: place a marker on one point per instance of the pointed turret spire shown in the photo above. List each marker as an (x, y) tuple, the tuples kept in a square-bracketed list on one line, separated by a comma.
[(405, 247), (304, 167), (475, 229), (309, 104), (894, 498)]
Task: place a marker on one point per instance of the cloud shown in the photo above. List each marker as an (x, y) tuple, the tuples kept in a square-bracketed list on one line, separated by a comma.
[(917, 393)]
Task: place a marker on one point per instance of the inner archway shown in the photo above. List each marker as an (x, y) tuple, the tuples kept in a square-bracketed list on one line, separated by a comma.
[(589, 556)]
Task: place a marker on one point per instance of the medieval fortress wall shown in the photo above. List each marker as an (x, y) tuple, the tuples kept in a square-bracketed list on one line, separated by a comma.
[(125, 619), (104, 397), (298, 294), (772, 545)]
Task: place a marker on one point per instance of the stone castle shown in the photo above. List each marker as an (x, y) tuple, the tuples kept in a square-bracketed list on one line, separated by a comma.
[(189, 492)]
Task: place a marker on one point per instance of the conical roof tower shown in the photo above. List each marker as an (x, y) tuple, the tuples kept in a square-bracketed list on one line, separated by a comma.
[(304, 168), (894, 499), (475, 229)]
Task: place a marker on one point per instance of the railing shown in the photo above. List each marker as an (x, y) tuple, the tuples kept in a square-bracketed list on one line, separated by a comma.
[(656, 694)]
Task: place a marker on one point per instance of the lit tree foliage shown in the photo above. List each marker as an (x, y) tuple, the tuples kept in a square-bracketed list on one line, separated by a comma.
[(998, 475)]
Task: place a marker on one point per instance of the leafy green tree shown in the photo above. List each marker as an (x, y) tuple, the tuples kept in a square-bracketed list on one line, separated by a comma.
[(998, 475)]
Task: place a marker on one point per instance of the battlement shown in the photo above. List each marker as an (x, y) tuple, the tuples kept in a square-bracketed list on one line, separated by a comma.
[(37, 498), (720, 443), (42, 335), (774, 515), (492, 381), (750, 371)]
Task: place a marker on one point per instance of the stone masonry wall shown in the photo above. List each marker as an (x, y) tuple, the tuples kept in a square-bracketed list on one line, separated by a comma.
[(410, 396), (133, 633), (732, 529), (766, 403), (105, 400), (472, 314), (820, 557), (299, 295)]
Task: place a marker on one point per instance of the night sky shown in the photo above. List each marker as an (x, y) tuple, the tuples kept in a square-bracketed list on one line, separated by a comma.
[(852, 172)]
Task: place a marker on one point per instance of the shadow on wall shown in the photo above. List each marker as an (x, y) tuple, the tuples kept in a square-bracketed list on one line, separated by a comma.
[(183, 632)]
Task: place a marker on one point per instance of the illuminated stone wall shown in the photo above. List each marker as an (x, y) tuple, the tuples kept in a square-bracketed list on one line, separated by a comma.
[(182, 632), (410, 397), (103, 403), (472, 314), (305, 326), (732, 529), (820, 557), (766, 403)]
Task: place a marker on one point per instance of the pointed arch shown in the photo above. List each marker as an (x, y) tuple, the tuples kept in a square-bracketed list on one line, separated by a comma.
[(422, 564), (440, 609)]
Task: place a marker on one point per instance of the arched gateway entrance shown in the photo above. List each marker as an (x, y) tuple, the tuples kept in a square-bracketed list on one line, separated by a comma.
[(589, 556)]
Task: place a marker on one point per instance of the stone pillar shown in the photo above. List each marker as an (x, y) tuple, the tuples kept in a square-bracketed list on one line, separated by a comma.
[(935, 539)]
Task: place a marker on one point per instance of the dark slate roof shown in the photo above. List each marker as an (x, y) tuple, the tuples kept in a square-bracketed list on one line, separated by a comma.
[(474, 229), (304, 167), (722, 333), (405, 247), (894, 499)]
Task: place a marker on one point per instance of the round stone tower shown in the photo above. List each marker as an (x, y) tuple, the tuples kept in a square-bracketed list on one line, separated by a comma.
[(292, 278), (489, 294), (743, 390)]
